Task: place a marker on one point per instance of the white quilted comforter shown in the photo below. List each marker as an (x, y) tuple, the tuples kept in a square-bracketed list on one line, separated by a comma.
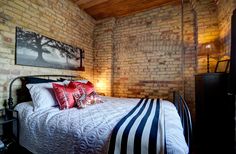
[(86, 130)]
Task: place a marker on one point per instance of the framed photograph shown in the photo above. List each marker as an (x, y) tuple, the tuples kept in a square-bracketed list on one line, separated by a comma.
[(34, 49), (222, 66)]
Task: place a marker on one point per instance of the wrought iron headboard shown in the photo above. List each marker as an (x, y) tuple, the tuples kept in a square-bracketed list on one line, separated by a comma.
[(185, 116), (10, 99)]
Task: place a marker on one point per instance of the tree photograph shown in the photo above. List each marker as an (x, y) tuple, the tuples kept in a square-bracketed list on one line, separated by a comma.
[(34, 49)]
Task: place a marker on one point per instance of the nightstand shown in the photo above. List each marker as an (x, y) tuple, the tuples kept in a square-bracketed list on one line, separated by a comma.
[(8, 125)]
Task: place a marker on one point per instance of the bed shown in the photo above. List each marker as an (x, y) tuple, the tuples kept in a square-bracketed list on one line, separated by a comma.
[(90, 130)]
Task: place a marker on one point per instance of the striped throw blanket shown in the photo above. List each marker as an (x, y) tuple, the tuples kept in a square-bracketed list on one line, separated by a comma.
[(141, 131)]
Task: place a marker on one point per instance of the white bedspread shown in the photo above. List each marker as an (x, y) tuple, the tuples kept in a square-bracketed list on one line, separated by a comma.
[(87, 130)]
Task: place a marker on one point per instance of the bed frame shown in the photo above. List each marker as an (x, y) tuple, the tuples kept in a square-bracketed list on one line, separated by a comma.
[(178, 101), (23, 90)]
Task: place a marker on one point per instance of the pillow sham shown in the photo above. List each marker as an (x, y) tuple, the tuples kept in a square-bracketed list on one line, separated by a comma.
[(80, 98), (64, 95), (89, 88), (42, 95), (93, 98)]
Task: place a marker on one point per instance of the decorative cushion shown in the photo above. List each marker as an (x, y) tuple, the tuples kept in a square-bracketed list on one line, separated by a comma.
[(42, 95), (89, 88), (86, 94), (64, 95), (80, 98), (93, 98)]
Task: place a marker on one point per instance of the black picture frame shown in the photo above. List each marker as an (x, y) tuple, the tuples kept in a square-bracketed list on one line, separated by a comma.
[(222, 66), (33, 49)]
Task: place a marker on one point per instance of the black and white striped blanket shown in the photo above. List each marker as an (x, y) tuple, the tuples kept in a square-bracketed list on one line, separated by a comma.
[(141, 131)]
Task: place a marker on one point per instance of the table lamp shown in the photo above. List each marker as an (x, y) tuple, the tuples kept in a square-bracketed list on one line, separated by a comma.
[(209, 50)]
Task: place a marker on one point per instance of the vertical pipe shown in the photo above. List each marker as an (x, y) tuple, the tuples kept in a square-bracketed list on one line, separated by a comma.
[(113, 57)]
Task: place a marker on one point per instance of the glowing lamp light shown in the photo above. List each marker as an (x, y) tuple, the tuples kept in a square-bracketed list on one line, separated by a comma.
[(100, 85), (208, 46)]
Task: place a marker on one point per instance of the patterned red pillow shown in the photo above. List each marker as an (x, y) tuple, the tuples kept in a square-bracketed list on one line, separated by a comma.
[(80, 98), (89, 88), (64, 95), (93, 98)]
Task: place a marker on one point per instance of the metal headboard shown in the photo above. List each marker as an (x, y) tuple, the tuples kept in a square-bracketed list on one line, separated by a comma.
[(185, 116), (10, 99)]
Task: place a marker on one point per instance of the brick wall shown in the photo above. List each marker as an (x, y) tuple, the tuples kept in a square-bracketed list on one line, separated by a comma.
[(225, 11), (190, 58), (213, 25), (148, 58), (61, 20), (207, 31), (147, 54), (103, 55)]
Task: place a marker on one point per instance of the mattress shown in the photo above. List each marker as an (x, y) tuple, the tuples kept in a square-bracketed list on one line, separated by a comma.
[(87, 130)]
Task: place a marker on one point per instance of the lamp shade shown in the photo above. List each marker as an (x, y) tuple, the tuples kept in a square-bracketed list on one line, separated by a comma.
[(210, 49)]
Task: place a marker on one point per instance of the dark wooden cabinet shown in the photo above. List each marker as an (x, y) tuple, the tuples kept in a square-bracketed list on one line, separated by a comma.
[(213, 114), (8, 121)]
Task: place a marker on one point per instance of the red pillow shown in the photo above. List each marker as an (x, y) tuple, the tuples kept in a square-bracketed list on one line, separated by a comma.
[(64, 95), (89, 88)]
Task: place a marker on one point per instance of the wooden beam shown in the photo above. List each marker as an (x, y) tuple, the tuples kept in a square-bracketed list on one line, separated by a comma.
[(91, 3)]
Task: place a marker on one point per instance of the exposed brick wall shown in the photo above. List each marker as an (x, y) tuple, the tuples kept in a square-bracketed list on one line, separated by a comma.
[(208, 30), (103, 55), (61, 20), (147, 54), (190, 50), (147, 51), (213, 25), (225, 11)]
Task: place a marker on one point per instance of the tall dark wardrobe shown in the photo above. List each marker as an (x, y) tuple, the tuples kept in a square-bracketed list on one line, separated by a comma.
[(232, 87), (215, 107)]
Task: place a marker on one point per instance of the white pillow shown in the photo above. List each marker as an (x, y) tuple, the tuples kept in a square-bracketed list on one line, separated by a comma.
[(66, 82), (82, 81), (42, 95)]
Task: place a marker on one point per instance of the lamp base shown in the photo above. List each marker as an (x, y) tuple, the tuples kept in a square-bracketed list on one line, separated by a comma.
[(208, 63)]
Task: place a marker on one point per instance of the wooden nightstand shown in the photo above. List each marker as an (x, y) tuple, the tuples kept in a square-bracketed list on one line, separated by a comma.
[(8, 122)]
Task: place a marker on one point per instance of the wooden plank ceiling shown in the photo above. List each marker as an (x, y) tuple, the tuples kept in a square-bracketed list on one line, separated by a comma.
[(100, 9)]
